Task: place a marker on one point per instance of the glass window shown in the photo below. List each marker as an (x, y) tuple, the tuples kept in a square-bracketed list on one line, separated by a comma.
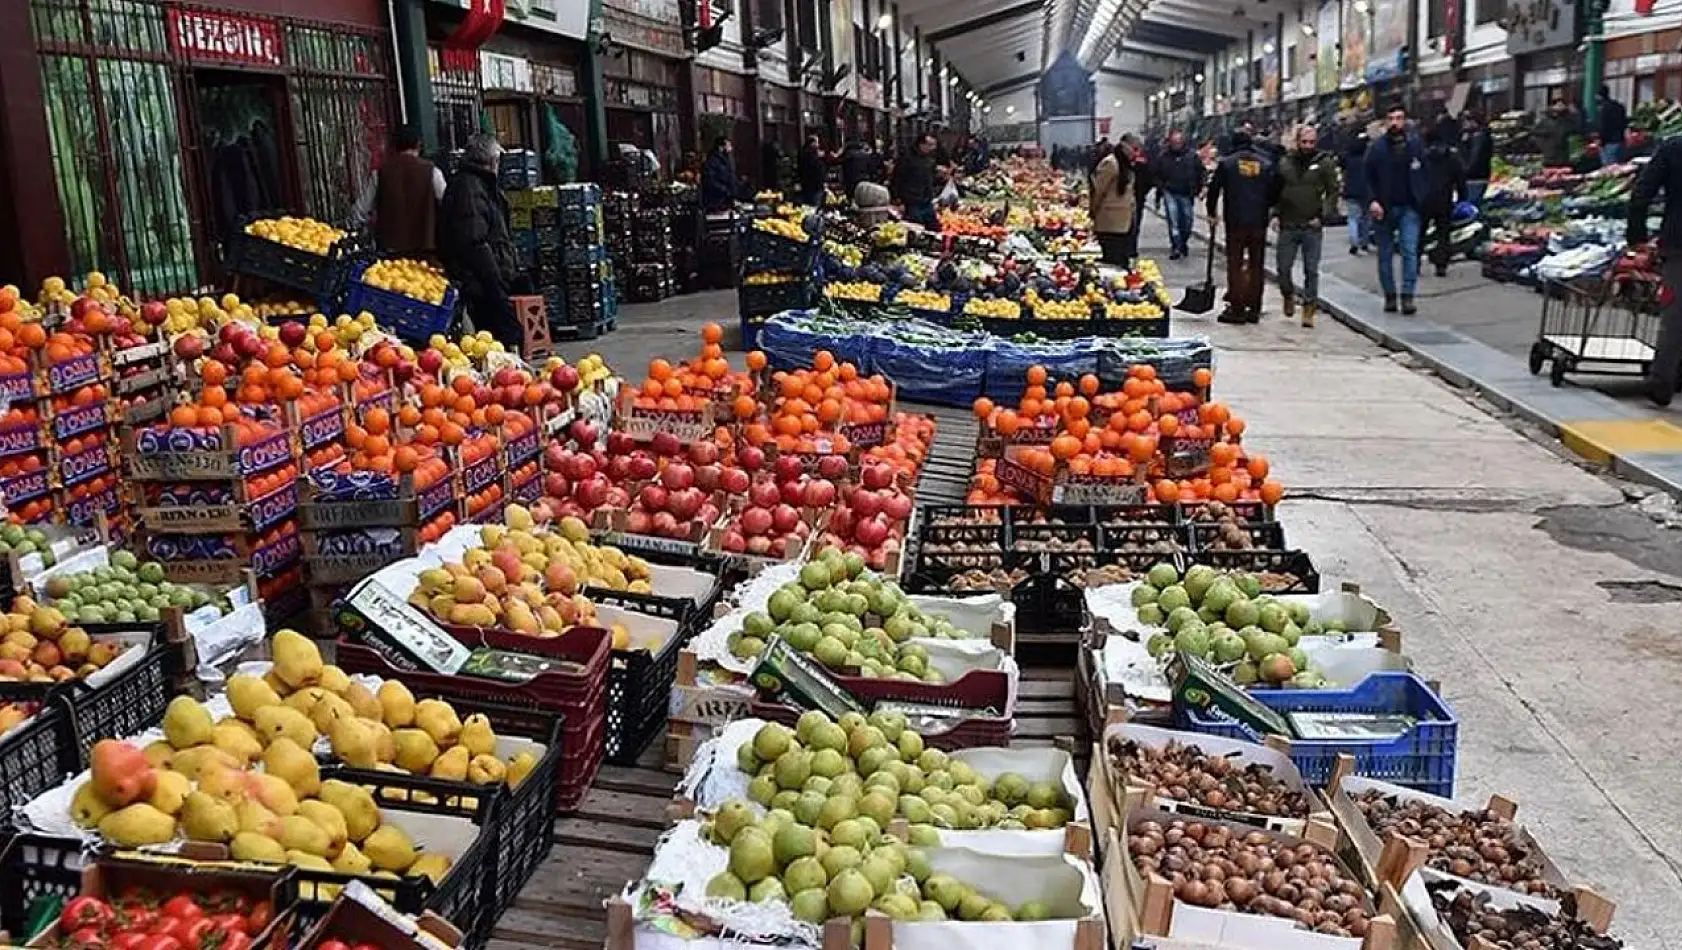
[(1491, 11)]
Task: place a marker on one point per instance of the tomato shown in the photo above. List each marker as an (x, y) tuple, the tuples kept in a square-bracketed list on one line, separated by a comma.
[(170, 927), (260, 915), (200, 932), (85, 912), (231, 922), (235, 940), (85, 938), (160, 942), (332, 945), (183, 906), (130, 940)]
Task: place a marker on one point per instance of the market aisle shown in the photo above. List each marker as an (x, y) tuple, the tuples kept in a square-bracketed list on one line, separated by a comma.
[(1444, 514)]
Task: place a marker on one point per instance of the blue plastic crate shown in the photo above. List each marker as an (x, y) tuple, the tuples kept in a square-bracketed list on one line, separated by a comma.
[(1424, 757), (411, 319)]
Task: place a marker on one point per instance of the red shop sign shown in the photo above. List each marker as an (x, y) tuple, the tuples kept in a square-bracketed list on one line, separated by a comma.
[(200, 34)]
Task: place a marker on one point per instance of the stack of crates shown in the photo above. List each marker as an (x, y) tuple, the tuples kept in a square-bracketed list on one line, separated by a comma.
[(778, 274), (642, 224), (582, 297)]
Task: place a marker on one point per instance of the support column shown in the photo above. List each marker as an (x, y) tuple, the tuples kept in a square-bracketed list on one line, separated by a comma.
[(408, 28), (922, 73), (28, 190), (756, 106), (1594, 66), (595, 92), (899, 64)]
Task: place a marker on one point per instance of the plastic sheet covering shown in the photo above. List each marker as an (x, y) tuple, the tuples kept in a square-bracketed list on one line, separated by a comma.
[(932, 363), (1175, 359), (1007, 366), (790, 338)]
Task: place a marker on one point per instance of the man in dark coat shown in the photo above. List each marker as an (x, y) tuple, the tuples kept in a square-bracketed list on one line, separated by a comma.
[(403, 200), (1355, 195), (1614, 122), (1305, 191), (475, 243), (1552, 134), (1663, 173), (719, 187), (1448, 185), (1398, 183), (1479, 152), (914, 184), (1245, 177), (1178, 176), (811, 169)]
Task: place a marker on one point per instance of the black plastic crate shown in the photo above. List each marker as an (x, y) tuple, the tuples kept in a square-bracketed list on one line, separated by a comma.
[(1049, 606), (37, 868), (764, 251), (942, 576), (1079, 568), (322, 276), (1263, 535), (1163, 540), (639, 682), (36, 754), (130, 703), (1251, 511), (519, 168), (1296, 563), (951, 526), (758, 300), (1142, 513), (1046, 536)]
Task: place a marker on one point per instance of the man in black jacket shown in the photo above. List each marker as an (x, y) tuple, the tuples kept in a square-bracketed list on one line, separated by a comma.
[(1480, 150), (1245, 177), (811, 172), (475, 245), (1179, 177), (1614, 122), (914, 182), (1663, 173), (1448, 184)]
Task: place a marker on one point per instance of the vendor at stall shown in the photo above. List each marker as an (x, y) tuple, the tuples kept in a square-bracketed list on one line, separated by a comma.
[(1663, 173), (1112, 207), (719, 186), (915, 183)]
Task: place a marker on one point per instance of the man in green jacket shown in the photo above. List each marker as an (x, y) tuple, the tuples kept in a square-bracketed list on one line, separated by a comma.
[(1305, 188)]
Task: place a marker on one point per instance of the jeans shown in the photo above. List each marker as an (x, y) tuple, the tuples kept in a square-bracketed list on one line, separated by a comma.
[(1246, 249), (1179, 212), (1308, 241), (1397, 231), (1360, 226), (1475, 190), (922, 213)]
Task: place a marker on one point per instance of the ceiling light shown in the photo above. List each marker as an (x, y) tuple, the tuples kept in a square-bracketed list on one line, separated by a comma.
[(953, 81), (1361, 6), (1199, 77), (1307, 29), (907, 47), (1010, 110), (1116, 104), (1267, 48), (885, 21), (985, 110), (1238, 60)]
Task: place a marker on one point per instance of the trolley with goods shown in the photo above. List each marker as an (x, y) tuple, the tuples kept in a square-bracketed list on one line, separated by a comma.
[(1605, 322)]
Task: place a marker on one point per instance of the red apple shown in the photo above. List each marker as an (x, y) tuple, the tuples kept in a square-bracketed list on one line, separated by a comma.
[(708, 515), (582, 467), (819, 494), (666, 526), (618, 443), (592, 493), (792, 493), (866, 503), (229, 332), (564, 378), (639, 522), (841, 522), (756, 521), (759, 545), (665, 444), (897, 507), (677, 475), (734, 542), (154, 312), (779, 547), (555, 485), (189, 346), (733, 480), (431, 361), (618, 496), (556, 457), (293, 333), (877, 477), (642, 466), (584, 432), (685, 504), (248, 345), (224, 353), (871, 532), (708, 477)]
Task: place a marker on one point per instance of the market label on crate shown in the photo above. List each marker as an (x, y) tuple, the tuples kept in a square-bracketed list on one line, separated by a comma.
[(1197, 684), (522, 448), (25, 487), (1278, 823), (141, 413), (269, 561), (1186, 458), (218, 572), (865, 435), (85, 510), (709, 705), (649, 543), (385, 399), (192, 519), (529, 490), (387, 623), (557, 423), (435, 498), (72, 373), (320, 429), (1014, 475), (184, 466), (991, 443), (73, 422), (273, 507), (75, 469), (136, 382), (784, 672), (19, 439), (1071, 489), (138, 354), (264, 455), (332, 515), (346, 568), (488, 514), (644, 424), (17, 388), (481, 473)]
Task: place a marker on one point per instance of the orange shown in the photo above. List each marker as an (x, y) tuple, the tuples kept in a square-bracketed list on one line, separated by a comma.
[(1065, 447), (1007, 423), (659, 369), (756, 360), (823, 360), (1257, 467), (1036, 375), (184, 416), (1271, 492), (377, 421), (983, 408), (1167, 491), (1065, 389), (451, 433), (324, 341), (1235, 427), (712, 333), (1202, 378), (1168, 424), (463, 385)]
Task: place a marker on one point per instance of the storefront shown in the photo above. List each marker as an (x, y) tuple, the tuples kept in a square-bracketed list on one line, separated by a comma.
[(646, 84), (721, 109), (1646, 67), (1543, 39), (169, 125)]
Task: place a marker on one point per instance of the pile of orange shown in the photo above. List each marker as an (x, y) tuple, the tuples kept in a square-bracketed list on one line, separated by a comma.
[(809, 405), (60, 347), (435, 529), (689, 386), (484, 498), (912, 434), (266, 484)]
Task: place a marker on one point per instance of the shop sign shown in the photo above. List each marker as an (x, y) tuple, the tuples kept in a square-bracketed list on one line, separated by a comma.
[(557, 81), (200, 34), (1535, 25), (1354, 45), (1386, 57), (500, 71)]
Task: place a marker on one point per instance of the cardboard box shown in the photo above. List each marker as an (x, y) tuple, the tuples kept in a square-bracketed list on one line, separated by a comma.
[(359, 916)]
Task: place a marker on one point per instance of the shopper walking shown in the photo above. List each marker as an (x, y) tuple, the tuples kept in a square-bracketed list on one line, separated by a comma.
[(719, 186), (1356, 197), (1132, 151), (1112, 205), (1245, 179), (475, 244), (1397, 183), (402, 200), (1179, 179), (1663, 173), (1448, 186), (1614, 123), (914, 184), (1552, 134), (809, 168), (1305, 191), (1480, 151)]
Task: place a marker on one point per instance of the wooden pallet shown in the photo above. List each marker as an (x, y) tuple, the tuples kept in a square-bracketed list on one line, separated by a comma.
[(610, 839)]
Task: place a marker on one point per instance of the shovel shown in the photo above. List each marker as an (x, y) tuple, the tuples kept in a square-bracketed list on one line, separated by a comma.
[(1200, 298)]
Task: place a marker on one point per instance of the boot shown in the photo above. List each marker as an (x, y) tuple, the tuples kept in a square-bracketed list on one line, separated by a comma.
[(1389, 303), (1309, 309), (1232, 314), (1291, 305), (1408, 309)]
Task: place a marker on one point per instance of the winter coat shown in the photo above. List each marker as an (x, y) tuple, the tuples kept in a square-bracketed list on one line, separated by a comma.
[(1112, 211), (914, 179), (1448, 181), (1614, 121), (473, 238), (1355, 171), (1480, 151), (811, 169), (1662, 173), (1552, 136), (1387, 172), (1179, 173), (1246, 179), (718, 182), (1304, 189)]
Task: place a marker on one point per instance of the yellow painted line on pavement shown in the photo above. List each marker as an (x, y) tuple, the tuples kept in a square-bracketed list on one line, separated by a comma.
[(1599, 440)]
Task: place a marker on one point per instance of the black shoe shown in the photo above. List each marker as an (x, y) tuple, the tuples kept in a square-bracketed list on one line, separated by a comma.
[(1389, 303), (1253, 315), (1355, 250), (1442, 272), (1230, 315), (1408, 309)]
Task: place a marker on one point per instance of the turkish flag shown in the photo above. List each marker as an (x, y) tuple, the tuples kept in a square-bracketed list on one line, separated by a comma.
[(1644, 7)]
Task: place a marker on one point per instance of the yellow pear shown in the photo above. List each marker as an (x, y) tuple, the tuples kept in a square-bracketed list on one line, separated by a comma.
[(170, 792), (415, 750), (285, 760), (230, 783), (272, 722), (397, 703), (249, 846), (439, 720), (237, 740), (353, 742), (389, 848), (276, 684), (298, 833), (304, 700), (207, 818), (256, 819), (352, 861), (433, 866), (485, 769), (86, 807), (519, 766), (137, 825), (452, 765), (330, 820), (247, 694), (159, 753), (274, 793), (187, 723), (355, 803), (334, 680), (297, 661), (476, 734), (330, 710), (193, 762), (309, 860), (364, 702)]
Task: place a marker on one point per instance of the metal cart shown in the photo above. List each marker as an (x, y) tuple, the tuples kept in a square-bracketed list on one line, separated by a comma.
[(1605, 323)]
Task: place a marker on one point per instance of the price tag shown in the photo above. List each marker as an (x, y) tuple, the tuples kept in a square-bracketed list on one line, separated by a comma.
[(708, 706), (138, 354), (392, 626), (1186, 458)]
